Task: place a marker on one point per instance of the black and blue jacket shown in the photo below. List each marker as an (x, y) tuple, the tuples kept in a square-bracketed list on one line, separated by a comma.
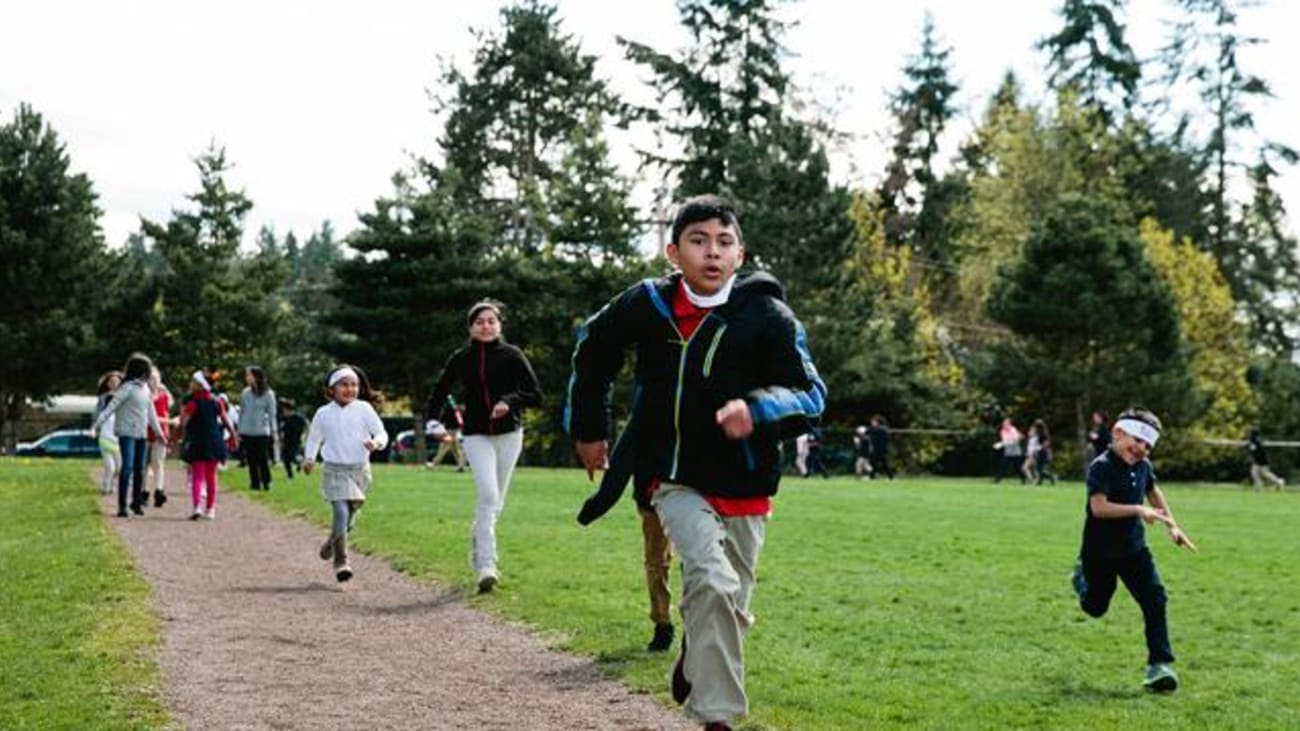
[(750, 348)]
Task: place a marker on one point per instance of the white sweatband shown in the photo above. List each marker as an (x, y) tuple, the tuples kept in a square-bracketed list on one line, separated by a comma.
[(1140, 430), (340, 374), (202, 380), (710, 300)]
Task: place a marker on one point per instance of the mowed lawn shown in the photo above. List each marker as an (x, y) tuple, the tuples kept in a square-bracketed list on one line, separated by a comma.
[(78, 639), (920, 603)]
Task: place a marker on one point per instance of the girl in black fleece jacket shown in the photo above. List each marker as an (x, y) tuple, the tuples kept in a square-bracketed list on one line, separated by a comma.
[(497, 383)]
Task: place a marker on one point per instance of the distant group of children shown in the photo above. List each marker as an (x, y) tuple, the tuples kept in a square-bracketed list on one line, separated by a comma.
[(723, 375)]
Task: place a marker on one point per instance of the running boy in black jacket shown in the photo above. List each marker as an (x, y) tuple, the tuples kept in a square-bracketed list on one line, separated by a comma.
[(723, 373)]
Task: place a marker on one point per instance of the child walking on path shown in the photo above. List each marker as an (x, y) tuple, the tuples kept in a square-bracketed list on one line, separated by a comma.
[(292, 426), (343, 433), (162, 406), (257, 427), (133, 416), (203, 446), (1114, 542), (723, 373), (498, 384), (108, 449)]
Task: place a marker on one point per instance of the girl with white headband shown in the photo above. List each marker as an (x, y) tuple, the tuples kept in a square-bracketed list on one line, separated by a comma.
[(343, 433), (203, 445), (1120, 483)]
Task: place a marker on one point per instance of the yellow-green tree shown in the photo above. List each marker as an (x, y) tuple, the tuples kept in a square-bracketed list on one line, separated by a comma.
[(883, 350), (1217, 340)]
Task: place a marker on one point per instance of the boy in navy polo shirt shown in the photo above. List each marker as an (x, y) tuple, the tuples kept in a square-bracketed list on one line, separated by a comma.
[(1120, 481)]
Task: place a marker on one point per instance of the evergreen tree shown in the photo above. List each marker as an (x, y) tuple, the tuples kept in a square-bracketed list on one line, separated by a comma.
[(521, 123), (52, 248), (1095, 327), (726, 103), (215, 308), (1204, 51), (400, 302), (921, 110), (1090, 54)]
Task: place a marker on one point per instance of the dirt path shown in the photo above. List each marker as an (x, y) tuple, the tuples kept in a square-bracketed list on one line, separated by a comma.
[(257, 636)]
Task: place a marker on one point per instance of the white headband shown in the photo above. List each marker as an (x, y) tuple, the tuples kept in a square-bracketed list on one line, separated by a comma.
[(340, 374), (202, 380), (1140, 430)]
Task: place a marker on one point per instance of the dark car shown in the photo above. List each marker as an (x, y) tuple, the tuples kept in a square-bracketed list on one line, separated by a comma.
[(62, 443)]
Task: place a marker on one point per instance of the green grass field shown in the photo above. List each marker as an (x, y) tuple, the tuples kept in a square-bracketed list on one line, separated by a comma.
[(922, 603), (78, 640)]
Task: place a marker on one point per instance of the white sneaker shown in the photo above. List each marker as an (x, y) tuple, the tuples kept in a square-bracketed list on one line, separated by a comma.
[(198, 513), (211, 514)]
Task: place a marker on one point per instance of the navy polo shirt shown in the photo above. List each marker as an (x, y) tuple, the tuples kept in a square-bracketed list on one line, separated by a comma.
[(1124, 484)]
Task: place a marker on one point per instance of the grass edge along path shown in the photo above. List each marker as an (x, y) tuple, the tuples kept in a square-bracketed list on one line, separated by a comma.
[(79, 641)]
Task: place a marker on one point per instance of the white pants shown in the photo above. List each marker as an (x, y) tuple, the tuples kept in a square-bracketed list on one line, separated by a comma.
[(492, 459), (157, 466), (112, 458), (719, 559)]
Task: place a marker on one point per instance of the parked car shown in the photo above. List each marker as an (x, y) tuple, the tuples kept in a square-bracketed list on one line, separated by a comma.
[(61, 443)]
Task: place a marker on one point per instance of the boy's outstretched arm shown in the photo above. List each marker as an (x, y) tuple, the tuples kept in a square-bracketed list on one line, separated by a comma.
[(795, 395), (1157, 499)]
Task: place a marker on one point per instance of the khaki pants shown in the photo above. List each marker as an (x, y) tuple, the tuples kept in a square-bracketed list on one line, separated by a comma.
[(658, 559), (1260, 472), (719, 557)]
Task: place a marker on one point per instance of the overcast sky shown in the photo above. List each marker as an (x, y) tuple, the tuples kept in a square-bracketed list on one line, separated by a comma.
[(319, 103)]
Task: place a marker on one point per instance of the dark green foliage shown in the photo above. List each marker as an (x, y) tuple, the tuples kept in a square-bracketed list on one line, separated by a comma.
[(1095, 327), (53, 253), (726, 103), (524, 133), (214, 307), (1091, 54), (1204, 51), (915, 201)]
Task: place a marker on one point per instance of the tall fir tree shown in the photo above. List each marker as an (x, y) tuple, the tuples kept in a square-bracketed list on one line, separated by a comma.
[(1204, 52), (215, 307), (726, 104), (1091, 54), (921, 109), (53, 254)]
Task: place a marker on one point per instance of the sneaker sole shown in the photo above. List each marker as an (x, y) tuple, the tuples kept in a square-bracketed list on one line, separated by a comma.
[(1166, 684), (343, 575), (487, 584)]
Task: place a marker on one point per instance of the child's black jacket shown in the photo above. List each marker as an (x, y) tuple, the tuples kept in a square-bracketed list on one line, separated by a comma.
[(750, 348), (488, 373)]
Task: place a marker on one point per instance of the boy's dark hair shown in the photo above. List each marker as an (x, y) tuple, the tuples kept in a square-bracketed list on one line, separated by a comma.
[(137, 368), (259, 379), (484, 304), (1143, 415), (705, 208)]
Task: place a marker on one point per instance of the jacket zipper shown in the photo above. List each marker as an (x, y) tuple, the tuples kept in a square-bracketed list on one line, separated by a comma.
[(482, 377), (677, 402), (713, 348)]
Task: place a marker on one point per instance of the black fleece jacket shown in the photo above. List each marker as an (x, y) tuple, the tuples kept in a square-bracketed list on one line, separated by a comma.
[(487, 373)]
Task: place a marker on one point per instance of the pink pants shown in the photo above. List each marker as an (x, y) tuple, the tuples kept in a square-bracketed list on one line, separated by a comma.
[(201, 472)]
